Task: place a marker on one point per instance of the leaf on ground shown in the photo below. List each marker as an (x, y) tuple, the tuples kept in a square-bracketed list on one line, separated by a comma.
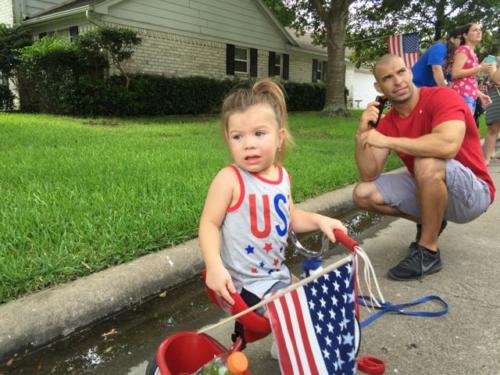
[(110, 333)]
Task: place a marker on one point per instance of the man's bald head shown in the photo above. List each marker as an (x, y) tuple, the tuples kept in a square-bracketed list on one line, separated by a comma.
[(386, 60)]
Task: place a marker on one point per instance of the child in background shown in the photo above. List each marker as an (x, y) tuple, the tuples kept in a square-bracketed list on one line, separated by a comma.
[(249, 209)]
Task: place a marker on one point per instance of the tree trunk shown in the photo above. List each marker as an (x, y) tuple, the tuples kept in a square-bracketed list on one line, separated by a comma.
[(440, 17), (336, 36)]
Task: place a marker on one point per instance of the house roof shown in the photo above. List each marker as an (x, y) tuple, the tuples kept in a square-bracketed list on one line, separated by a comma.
[(305, 41), (83, 5), (65, 7)]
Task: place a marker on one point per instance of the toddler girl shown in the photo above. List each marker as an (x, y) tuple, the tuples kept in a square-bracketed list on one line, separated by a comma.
[(249, 209)]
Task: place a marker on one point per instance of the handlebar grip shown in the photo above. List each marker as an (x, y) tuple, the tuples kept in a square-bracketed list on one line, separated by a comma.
[(345, 240)]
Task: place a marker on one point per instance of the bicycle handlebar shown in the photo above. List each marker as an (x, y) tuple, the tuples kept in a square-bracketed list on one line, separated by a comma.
[(345, 240)]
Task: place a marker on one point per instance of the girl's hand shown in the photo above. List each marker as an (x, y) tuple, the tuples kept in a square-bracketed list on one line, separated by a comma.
[(219, 280), (328, 225), (484, 67), (485, 99)]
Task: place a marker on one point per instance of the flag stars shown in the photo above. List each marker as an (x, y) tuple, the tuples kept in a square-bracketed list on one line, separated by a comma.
[(336, 285), (249, 249), (311, 305), (349, 268), (314, 291), (253, 270), (348, 339), (330, 327), (325, 288), (322, 302), (351, 297), (352, 355), (332, 314), (320, 316), (335, 301), (318, 329), (276, 262), (347, 282), (326, 354), (328, 341), (262, 264), (268, 247)]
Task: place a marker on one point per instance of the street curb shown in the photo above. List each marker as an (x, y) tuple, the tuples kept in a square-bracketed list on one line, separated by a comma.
[(37, 319)]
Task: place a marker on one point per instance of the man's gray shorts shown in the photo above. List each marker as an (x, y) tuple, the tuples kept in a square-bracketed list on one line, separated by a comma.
[(468, 196)]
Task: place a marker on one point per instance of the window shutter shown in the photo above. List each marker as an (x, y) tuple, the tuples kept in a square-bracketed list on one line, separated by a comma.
[(253, 62), (314, 70), (271, 63), (230, 59), (285, 63)]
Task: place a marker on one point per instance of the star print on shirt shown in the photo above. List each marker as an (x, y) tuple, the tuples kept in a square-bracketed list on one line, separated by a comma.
[(268, 247), (249, 249)]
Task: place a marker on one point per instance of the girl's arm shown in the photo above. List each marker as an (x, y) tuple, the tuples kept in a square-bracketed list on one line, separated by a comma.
[(303, 221), (458, 71), (219, 198)]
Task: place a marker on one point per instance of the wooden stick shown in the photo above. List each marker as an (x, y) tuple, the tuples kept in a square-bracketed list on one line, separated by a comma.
[(286, 290)]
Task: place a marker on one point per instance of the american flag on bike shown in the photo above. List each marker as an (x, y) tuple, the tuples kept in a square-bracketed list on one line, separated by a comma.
[(314, 325), (405, 46)]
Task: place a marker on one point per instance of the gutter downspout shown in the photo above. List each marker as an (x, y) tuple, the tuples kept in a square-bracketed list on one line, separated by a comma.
[(90, 10)]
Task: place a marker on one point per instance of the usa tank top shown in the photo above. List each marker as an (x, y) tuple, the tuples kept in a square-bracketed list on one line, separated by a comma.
[(255, 232)]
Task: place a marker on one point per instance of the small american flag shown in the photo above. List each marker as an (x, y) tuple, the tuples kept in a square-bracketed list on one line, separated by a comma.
[(405, 46), (314, 325)]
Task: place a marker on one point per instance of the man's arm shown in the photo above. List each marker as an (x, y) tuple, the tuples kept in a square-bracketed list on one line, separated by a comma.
[(443, 143), (437, 73), (370, 160)]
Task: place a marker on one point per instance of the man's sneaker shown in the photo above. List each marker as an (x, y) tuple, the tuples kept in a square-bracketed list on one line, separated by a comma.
[(413, 245), (419, 263)]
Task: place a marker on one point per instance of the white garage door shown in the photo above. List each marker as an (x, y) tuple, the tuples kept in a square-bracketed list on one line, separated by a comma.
[(363, 90)]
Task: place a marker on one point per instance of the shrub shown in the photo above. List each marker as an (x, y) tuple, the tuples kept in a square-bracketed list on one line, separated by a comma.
[(305, 96)]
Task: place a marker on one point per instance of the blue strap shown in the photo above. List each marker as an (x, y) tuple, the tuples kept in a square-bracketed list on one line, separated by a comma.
[(400, 308)]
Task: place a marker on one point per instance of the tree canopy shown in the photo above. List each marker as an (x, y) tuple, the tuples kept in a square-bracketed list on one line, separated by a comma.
[(371, 22)]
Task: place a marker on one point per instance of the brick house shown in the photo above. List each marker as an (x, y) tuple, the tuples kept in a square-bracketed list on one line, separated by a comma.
[(213, 38)]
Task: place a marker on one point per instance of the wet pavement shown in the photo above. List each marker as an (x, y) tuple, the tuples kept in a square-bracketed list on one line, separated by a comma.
[(125, 343)]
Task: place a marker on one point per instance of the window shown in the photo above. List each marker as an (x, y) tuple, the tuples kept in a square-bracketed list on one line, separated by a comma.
[(41, 35), (278, 65), (73, 32), (319, 70), (241, 56), (241, 60)]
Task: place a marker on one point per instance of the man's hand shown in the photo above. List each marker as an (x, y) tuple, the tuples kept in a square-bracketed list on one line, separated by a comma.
[(219, 280), (373, 138), (369, 114)]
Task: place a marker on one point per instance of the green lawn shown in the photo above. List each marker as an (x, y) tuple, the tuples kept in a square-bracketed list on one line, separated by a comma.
[(80, 195)]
